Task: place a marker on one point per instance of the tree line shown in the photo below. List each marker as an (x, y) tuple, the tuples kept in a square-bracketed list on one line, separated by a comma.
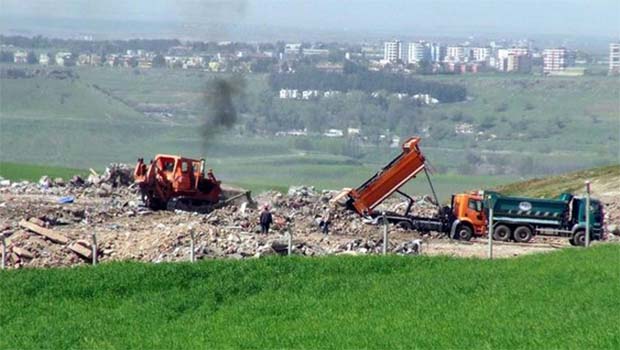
[(115, 46), (366, 81)]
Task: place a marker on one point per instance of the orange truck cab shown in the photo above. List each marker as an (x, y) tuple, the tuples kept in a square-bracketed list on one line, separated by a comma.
[(469, 218)]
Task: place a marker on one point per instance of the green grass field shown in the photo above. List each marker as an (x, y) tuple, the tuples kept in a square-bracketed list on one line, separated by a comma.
[(279, 173), (566, 299), (18, 172)]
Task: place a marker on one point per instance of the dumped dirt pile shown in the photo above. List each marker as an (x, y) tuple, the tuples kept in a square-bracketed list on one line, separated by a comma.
[(52, 222)]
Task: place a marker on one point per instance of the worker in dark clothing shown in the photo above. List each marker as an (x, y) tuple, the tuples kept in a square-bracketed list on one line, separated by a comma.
[(326, 220), (265, 220)]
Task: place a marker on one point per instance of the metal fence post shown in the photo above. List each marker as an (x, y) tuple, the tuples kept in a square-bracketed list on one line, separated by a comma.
[(192, 256), (490, 233), (290, 243), (3, 251), (94, 247), (385, 234), (587, 213)]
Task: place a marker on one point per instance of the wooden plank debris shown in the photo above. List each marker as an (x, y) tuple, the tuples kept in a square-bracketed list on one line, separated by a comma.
[(45, 232)]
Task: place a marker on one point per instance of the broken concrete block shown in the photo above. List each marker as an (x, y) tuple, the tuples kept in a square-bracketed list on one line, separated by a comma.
[(81, 250), (22, 252), (59, 181)]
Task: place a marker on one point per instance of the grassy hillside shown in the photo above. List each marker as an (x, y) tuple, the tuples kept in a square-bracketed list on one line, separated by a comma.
[(18, 172), (552, 186), (541, 124), (567, 299)]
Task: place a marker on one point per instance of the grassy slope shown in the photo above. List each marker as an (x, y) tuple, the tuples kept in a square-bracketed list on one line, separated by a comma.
[(90, 128), (18, 172), (567, 299), (587, 106), (573, 182)]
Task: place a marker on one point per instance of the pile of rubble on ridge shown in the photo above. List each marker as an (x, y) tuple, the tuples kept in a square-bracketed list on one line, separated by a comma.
[(52, 222), (114, 179)]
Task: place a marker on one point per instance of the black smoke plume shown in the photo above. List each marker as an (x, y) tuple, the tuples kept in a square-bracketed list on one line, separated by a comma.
[(220, 96)]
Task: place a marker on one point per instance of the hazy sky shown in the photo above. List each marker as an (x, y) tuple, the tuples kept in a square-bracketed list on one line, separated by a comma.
[(568, 17)]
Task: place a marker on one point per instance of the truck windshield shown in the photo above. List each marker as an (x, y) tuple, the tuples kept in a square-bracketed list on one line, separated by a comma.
[(475, 205)]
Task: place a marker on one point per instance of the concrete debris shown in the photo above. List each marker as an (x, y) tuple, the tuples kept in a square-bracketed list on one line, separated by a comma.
[(47, 233), (81, 249), (42, 232)]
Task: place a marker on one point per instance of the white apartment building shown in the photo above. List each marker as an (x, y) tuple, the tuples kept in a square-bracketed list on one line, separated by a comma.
[(614, 58), (480, 54), (392, 51), (516, 59), (416, 52), (62, 58), (455, 54), (555, 60), (44, 59), (437, 52), (501, 55)]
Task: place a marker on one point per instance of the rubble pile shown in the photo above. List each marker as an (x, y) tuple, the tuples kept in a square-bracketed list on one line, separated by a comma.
[(53, 222)]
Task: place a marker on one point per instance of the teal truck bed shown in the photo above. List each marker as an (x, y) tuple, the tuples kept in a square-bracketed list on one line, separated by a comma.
[(519, 218)]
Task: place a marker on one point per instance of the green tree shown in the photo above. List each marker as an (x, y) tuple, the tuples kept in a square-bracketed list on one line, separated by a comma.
[(6, 56), (159, 61), (488, 122), (32, 58)]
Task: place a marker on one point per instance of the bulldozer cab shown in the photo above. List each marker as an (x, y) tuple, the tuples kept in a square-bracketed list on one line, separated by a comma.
[(183, 173)]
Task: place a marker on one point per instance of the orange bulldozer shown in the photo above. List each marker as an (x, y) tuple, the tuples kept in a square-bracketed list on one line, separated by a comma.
[(178, 183)]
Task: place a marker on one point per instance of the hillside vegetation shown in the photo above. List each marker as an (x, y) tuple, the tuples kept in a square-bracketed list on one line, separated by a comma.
[(601, 178), (540, 125), (566, 299)]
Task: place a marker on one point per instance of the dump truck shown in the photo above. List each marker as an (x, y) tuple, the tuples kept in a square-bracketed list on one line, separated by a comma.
[(520, 218), (467, 215), (179, 183), (464, 216)]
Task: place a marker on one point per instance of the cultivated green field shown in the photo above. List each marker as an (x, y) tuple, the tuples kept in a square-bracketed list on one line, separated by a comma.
[(566, 299), (18, 172), (263, 177)]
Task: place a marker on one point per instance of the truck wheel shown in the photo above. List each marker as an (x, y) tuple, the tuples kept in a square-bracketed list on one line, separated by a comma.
[(501, 233), (580, 238), (571, 241), (465, 233), (523, 234), (405, 225)]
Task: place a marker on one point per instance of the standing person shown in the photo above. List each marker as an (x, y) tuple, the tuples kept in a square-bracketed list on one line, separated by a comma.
[(265, 220), (326, 220)]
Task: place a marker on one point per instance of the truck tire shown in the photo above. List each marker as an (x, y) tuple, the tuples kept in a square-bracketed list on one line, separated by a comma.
[(502, 233), (523, 234), (580, 238), (405, 225), (464, 232)]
